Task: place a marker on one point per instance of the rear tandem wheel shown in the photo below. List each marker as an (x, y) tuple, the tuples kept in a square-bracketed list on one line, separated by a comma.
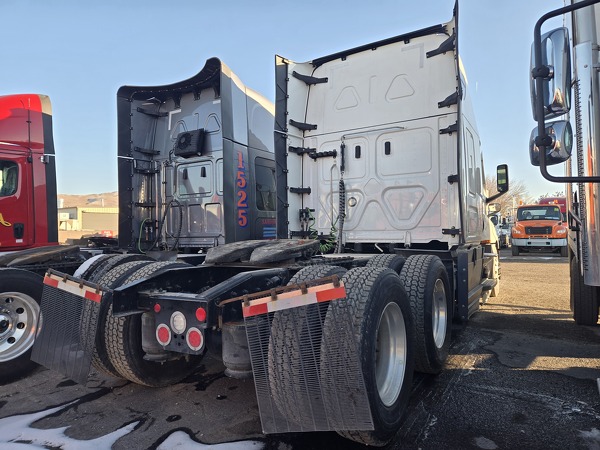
[(286, 377), (382, 322), (123, 340)]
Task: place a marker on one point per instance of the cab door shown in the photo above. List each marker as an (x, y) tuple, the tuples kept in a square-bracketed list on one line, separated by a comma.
[(16, 203)]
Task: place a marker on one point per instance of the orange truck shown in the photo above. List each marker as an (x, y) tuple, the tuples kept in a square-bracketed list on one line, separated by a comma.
[(540, 228)]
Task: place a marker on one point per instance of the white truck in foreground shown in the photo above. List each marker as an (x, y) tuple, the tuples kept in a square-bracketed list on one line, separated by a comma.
[(552, 88), (381, 241)]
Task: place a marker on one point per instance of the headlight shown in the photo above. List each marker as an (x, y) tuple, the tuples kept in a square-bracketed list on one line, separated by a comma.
[(561, 231), (515, 231)]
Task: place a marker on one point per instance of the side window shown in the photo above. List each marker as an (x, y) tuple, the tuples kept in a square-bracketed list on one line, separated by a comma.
[(471, 162), (194, 179), (266, 194), (9, 181)]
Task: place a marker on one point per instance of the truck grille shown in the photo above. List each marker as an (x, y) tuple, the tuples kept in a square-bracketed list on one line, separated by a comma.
[(538, 230)]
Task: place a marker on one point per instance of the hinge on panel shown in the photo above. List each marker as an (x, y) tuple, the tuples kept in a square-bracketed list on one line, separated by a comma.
[(301, 150), (146, 151), (453, 178), (446, 46), (308, 79), (152, 113), (452, 99), (450, 129), (451, 231), (303, 126), (316, 155), (299, 190)]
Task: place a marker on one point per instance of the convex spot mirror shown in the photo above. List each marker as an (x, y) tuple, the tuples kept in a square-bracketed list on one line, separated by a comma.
[(561, 135), (556, 92)]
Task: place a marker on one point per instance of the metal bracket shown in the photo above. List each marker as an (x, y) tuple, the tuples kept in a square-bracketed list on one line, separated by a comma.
[(152, 113), (450, 129), (301, 150), (446, 46), (308, 79), (298, 190), (303, 126), (452, 99), (317, 155), (451, 231)]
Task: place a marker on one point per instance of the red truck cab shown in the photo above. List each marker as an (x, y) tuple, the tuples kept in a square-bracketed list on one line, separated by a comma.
[(28, 209)]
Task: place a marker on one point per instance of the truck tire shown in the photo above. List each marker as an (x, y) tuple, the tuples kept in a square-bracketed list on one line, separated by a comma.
[(112, 262), (96, 317), (564, 251), (286, 377), (20, 295), (123, 340), (388, 260), (584, 298), (88, 267), (382, 322), (425, 280), (515, 250)]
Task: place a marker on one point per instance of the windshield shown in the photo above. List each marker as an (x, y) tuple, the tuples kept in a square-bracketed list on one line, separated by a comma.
[(539, 213)]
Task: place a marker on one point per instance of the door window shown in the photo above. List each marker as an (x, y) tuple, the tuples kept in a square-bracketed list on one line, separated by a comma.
[(9, 181), (265, 187)]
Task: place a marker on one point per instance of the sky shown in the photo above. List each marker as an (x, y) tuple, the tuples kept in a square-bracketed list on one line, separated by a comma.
[(80, 52)]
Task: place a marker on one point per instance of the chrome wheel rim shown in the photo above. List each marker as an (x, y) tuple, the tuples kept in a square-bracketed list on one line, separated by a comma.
[(439, 314), (19, 314), (390, 363)]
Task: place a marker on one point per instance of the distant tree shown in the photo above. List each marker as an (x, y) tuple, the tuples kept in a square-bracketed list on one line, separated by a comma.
[(556, 194), (516, 194)]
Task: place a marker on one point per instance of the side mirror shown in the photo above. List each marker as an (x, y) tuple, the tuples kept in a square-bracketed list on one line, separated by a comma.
[(502, 178), (493, 208), (559, 151), (556, 73)]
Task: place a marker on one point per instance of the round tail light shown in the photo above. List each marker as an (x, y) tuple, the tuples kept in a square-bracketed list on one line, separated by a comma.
[(194, 339), (163, 334)]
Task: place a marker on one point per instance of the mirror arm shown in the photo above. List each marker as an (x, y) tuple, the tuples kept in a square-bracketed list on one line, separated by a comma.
[(539, 86), (494, 197)]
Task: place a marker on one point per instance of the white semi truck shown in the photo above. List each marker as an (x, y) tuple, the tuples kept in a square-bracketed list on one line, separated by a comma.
[(565, 72), (381, 241)]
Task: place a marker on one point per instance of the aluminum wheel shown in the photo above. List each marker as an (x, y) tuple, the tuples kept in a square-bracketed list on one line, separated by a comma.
[(19, 314), (390, 364), (439, 313)]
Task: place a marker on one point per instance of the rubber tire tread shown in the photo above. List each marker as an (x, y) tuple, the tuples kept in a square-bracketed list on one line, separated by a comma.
[(31, 284), (564, 251), (96, 317), (419, 274), (87, 274), (113, 262), (515, 250), (284, 349), (387, 260), (584, 298), (123, 337), (365, 287)]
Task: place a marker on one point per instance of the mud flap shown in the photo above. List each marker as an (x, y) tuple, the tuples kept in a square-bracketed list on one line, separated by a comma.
[(64, 343), (316, 393)]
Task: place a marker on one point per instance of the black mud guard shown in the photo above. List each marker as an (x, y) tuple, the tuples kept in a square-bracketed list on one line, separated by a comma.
[(236, 251), (284, 249)]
